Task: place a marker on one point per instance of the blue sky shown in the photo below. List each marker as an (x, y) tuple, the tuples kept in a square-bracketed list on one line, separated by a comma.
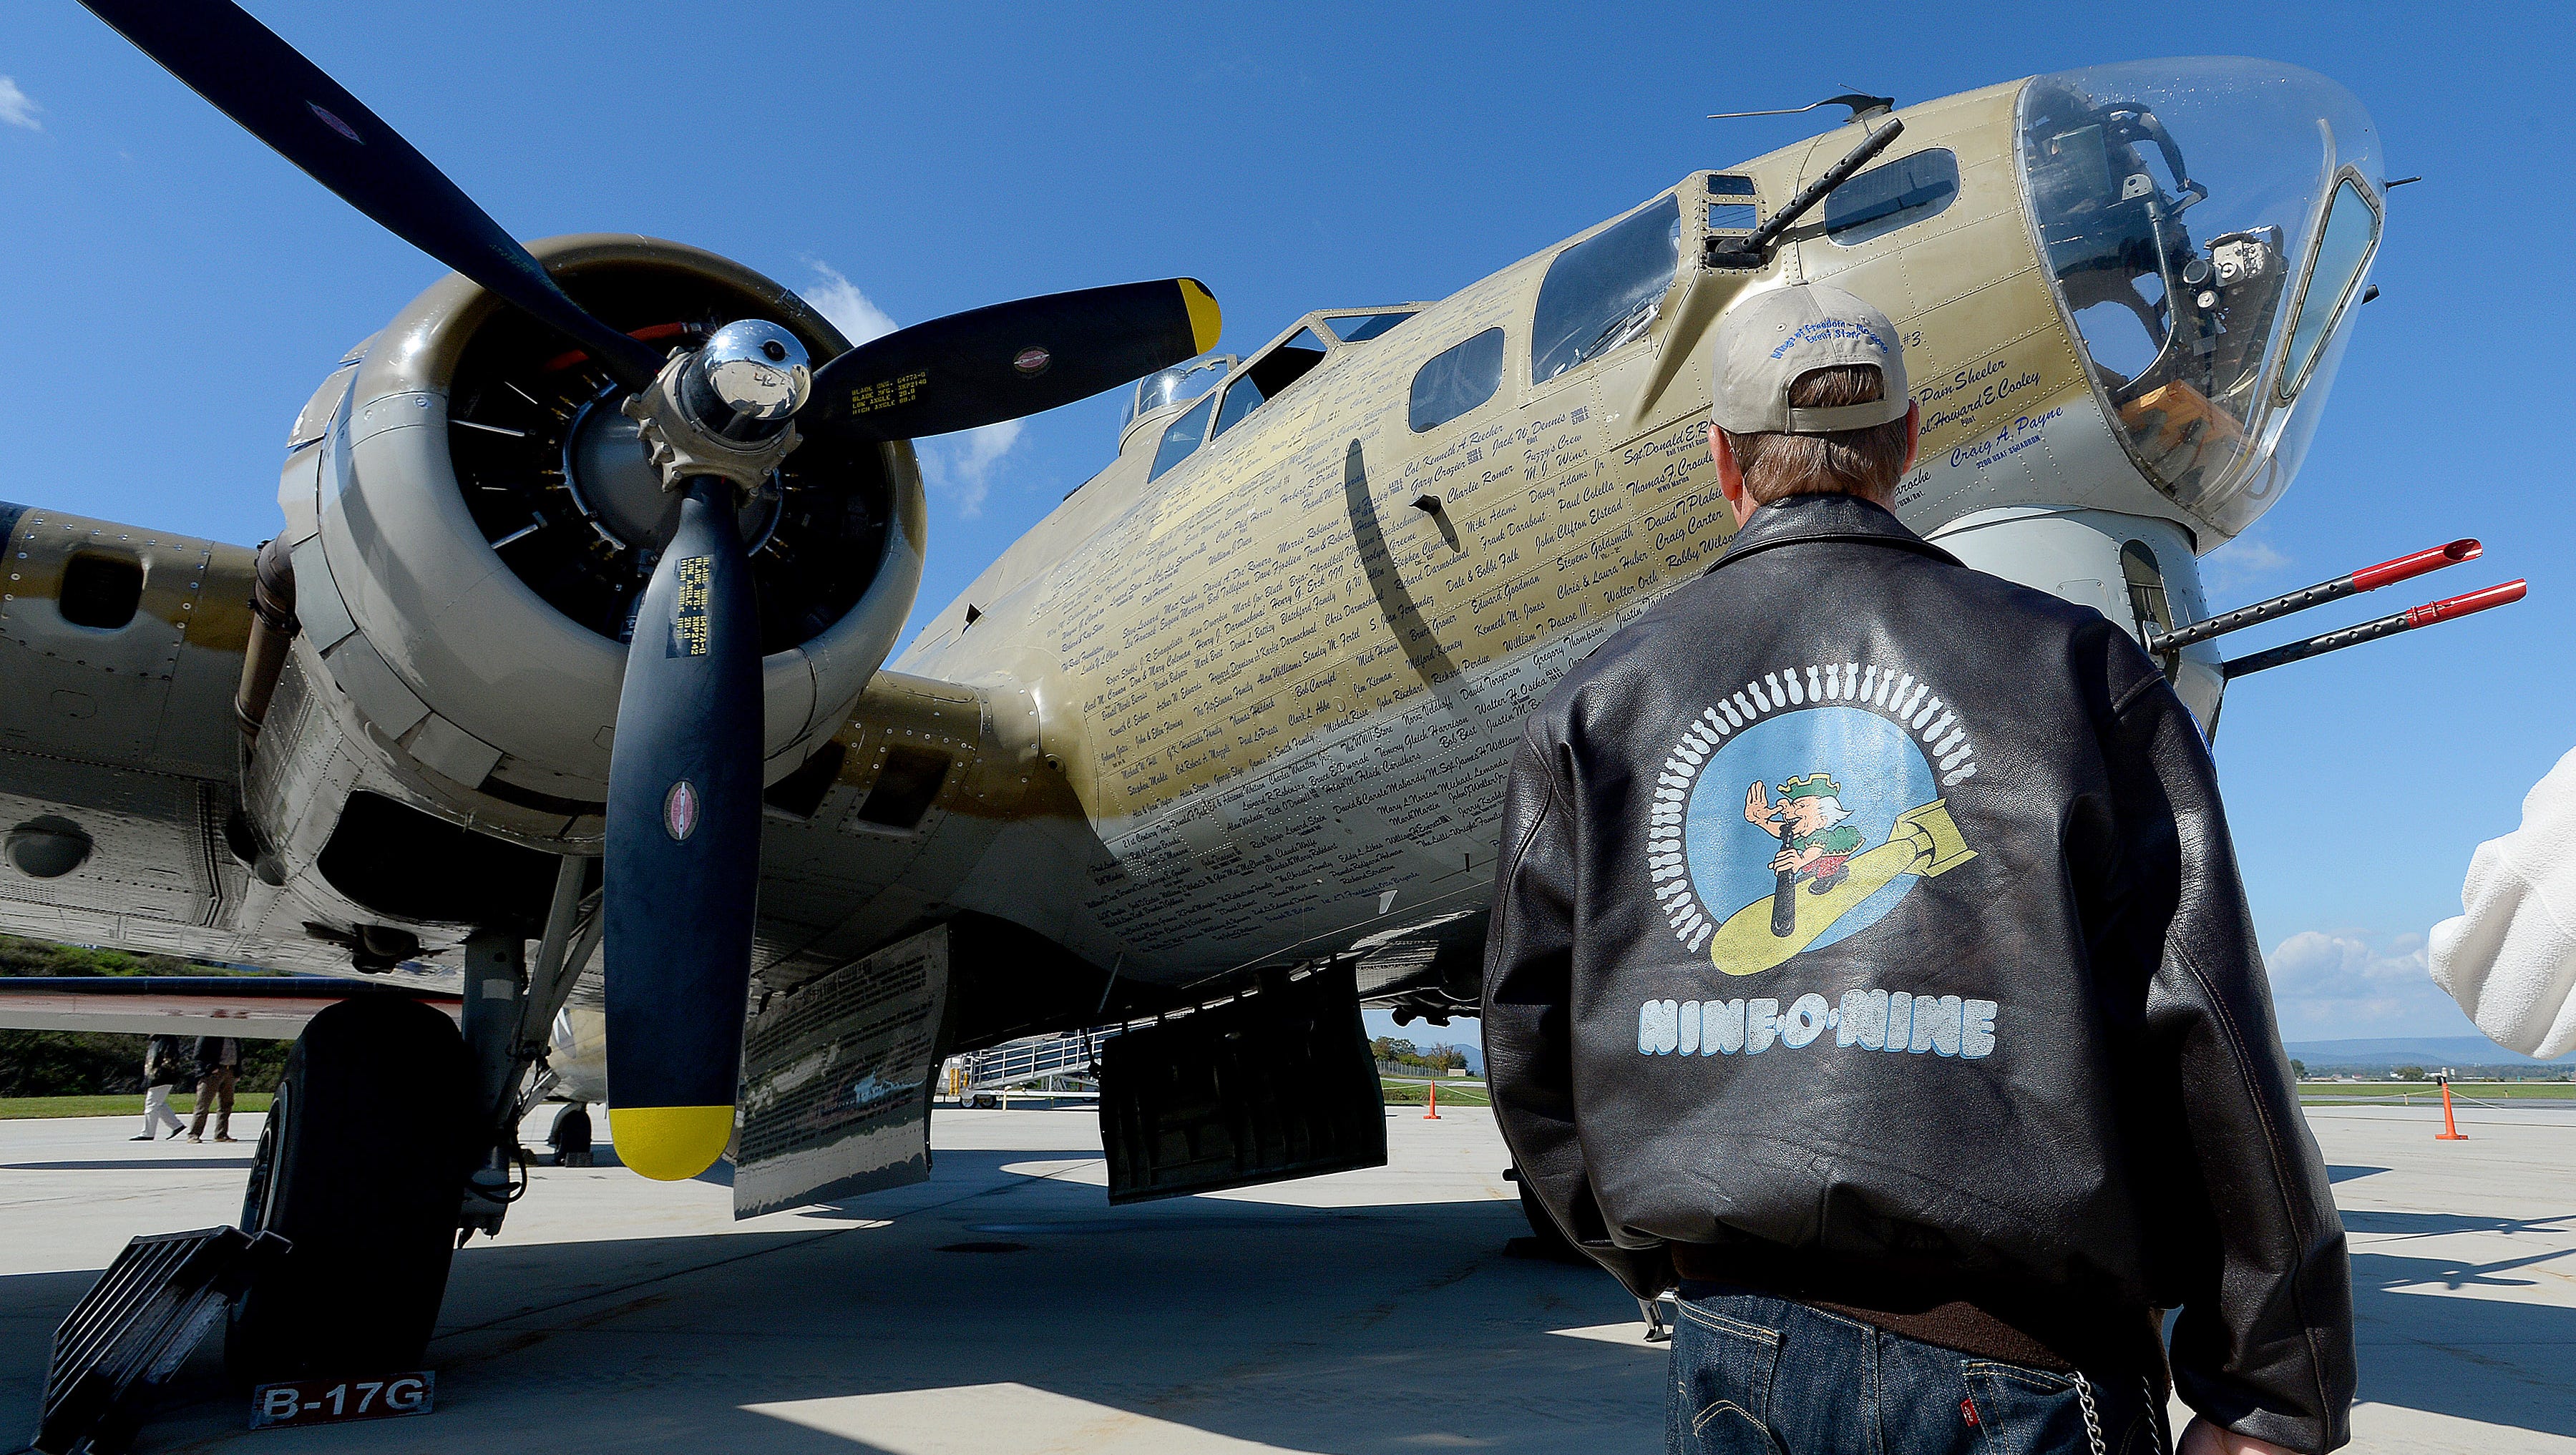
[(173, 291)]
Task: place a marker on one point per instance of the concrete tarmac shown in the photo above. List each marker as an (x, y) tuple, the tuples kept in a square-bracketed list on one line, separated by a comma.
[(1004, 1308)]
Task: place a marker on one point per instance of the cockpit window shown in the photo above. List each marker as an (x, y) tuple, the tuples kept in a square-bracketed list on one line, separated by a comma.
[(1604, 291), (2182, 206), (1900, 194), (1353, 328), (1183, 436), (2352, 229), (1455, 380), (1269, 377), (1166, 387)]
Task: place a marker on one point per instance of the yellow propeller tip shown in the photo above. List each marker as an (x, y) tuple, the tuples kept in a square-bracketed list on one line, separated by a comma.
[(670, 1143), (1206, 321)]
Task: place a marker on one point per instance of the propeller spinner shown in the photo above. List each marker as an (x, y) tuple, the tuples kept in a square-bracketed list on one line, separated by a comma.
[(683, 826)]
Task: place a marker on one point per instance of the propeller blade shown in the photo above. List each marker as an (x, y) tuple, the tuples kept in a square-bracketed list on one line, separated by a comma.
[(1010, 360), (286, 101), (684, 846)]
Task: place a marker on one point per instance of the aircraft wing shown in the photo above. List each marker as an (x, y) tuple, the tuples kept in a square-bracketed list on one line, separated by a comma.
[(255, 1007)]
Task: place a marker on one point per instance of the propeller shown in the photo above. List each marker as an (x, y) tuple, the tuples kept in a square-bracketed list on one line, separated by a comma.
[(683, 846), (683, 824), (990, 364)]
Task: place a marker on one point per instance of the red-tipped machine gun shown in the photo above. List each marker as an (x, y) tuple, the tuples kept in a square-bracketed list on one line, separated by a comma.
[(2368, 578)]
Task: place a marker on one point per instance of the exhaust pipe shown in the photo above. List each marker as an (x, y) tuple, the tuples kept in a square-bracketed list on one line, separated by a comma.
[(272, 628)]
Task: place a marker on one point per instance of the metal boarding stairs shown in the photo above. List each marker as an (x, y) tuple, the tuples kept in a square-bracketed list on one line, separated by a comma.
[(1023, 1063), (134, 1329)]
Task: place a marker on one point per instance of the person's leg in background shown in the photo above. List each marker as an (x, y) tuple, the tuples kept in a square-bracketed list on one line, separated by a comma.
[(223, 1079), (156, 1110)]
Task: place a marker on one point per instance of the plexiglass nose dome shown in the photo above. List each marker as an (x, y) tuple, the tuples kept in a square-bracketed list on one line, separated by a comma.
[(2208, 223)]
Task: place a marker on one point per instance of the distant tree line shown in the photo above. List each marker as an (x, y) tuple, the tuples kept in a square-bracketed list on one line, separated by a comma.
[(95, 1063), (2381, 1071), (1404, 1056)]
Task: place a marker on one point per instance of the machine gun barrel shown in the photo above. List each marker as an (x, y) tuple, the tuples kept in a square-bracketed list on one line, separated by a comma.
[(2368, 578), (2371, 631), (1752, 250)]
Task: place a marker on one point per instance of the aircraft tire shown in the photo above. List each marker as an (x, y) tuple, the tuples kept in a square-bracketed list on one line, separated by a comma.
[(1546, 1241), (361, 1167)]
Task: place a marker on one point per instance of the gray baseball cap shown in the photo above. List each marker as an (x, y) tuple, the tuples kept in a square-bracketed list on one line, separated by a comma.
[(1765, 342)]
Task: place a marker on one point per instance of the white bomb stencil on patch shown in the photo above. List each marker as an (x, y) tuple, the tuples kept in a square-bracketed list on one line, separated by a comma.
[(1802, 808)]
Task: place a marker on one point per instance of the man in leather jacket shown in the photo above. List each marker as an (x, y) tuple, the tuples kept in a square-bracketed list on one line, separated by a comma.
[(1929, 1149)]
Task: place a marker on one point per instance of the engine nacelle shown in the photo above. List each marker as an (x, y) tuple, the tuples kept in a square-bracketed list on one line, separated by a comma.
[(472, 520)]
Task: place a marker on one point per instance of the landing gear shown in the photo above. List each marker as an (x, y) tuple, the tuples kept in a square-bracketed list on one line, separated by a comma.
[(571, 1135), (1544, 1241), (361, 1166)]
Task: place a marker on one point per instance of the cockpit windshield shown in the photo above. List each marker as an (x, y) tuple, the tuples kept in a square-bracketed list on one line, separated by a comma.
[(1176, 385), (1358, 328), (2208, 223)]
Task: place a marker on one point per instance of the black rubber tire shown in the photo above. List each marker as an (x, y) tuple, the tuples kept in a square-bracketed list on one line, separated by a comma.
[(362, 1168), (1548, 1242), (572, 1137)]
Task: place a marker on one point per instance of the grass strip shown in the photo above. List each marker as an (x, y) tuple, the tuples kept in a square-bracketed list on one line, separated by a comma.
[(1452, 1093), (246, 1103), (2460, 1090)]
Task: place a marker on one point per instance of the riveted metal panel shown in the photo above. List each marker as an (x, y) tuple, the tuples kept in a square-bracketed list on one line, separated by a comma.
[(382, 696)]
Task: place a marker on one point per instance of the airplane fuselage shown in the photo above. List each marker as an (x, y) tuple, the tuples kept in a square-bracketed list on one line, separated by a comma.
[(1235, 703)]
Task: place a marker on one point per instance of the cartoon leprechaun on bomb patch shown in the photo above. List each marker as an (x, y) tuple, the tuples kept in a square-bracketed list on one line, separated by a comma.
[(1858, 839), (1809, 822)]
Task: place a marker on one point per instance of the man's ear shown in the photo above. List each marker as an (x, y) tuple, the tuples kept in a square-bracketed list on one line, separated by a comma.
[(1913, 433), (1730, 475)]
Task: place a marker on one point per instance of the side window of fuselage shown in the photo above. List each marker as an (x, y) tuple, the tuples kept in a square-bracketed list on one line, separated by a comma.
[(1899, 194), (1603, 291), (1455, 380), (1181, 438)]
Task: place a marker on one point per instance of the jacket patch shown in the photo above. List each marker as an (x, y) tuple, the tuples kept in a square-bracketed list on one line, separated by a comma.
[(1874, 1020), (1845, 768)]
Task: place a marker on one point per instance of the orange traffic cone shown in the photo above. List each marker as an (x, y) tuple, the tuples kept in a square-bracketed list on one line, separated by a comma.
[(2450, 1129), (1433, 1087)]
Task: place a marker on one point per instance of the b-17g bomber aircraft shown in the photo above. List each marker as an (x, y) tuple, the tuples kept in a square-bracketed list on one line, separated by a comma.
[(564, 687)]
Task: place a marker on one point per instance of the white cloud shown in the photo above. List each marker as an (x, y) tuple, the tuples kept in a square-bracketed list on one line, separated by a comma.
[(959, 467), (2239, 566), (851, 311), (17, 108), (2316, 962), (2357, 983)]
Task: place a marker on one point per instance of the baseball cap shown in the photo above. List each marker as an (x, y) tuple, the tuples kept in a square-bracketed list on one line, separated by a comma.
[(1765, 342)]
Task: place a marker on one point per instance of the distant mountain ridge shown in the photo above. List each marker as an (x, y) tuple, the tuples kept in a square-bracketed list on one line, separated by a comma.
[(2410, 1050)]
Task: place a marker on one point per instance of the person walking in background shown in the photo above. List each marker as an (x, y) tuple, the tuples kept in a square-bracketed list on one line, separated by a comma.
[(218, 1062), (162, 1059), (571, 1135), (2509, 958)]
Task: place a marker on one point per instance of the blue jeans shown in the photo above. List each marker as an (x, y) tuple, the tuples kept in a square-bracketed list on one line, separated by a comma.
[(1754, 1375)]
